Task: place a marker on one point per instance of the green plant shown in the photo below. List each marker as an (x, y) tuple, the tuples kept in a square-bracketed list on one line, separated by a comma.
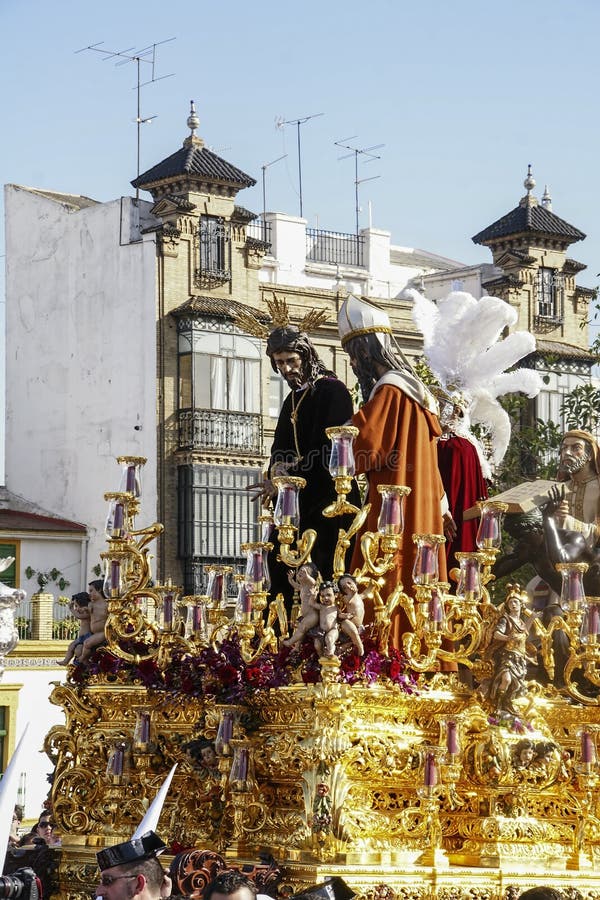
[(44, 578)]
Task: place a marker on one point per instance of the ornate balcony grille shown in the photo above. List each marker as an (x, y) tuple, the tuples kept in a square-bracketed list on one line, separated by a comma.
[(205, 429)]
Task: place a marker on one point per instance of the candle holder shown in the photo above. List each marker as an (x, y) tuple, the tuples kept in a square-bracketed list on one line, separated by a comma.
[(469, 588), (572, 594), (423, 820), (390, 523), (426, 567), (489, 536), (590, 626), (131, 475), (586, 767), (225, 732), (286, 518), (196, 619), (216, 589), (341, 468), (116, 526), (142, 730), (117, 768), (266, 524)]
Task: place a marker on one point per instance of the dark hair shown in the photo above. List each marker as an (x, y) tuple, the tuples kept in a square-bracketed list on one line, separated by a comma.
[(367, 350), (542, 893), (327, 584), (19, 812), (346, 575), (151, 869), (81, 599), (289, 339), (228, 883), (312, 568), (98, 584)]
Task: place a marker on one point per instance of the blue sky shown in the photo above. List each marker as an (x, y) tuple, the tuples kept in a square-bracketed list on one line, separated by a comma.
[(463, 96)]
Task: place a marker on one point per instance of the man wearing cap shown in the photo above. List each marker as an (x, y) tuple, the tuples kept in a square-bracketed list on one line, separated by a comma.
[(580, 466), (396, 444), (132, 870), (317, 400)]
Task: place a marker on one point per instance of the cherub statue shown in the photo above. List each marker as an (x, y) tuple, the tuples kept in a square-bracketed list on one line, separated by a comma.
[(79, 607), (306, 582), (351, 618), (509, 651), (328, 631)]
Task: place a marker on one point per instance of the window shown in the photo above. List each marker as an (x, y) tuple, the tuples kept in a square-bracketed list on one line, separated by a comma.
[(278, 388), (9, 576), (219, 371), (216, 515), (214, 250), (549, 291)]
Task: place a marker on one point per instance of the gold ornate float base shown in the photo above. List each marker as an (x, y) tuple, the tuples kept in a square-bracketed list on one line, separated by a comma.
[(332, 779)]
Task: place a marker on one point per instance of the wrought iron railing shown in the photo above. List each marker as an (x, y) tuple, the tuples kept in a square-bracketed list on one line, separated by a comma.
[(334, 247), (206, 429), (259, 230)]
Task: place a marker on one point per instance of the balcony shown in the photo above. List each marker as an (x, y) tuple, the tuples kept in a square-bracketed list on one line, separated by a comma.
[(335, 247), (229, 432)]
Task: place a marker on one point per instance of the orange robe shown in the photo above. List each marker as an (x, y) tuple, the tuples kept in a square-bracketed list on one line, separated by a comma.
[(396, 444)]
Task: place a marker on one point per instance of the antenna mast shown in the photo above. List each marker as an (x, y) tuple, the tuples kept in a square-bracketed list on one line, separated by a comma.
[(264, 193), (356, 151), (298, 123), (146, 55)]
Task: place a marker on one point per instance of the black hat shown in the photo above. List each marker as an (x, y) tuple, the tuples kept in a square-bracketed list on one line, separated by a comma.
[(147, 846), (331, 889)]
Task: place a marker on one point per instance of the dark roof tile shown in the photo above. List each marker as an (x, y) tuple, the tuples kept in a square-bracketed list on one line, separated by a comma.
[(195, 162), (529, 219)]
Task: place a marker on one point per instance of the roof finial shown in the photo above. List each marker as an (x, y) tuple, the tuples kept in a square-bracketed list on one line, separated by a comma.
[(529, 182), (193, 121), (547, 199)]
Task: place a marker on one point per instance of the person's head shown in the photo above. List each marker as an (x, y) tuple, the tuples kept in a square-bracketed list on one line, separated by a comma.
[(327, 593), (295, 358), (131, 869), (542, 893), (17, 818), (79, 603), (347, 585), (369, 360), (44, 827), (96, 589), (525, 752), (231, 885), (578, 452), (307, 573), (513, 603), (202, 751)]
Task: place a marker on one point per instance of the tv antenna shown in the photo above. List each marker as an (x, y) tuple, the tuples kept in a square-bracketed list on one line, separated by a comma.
[(264, 192), (279, 123), (367, 152), (145, 55)]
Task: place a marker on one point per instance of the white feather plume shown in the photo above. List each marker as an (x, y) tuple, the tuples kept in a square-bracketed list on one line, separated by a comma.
[(464, 348)]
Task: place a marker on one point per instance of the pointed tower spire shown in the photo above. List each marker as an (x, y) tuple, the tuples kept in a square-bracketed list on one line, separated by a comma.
[(547, 199)]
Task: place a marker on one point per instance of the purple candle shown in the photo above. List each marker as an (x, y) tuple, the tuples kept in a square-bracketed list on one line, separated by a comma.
[(428, 560), (430, 774), (245, 600), (198, 617), (216, 591), (593, 620), (436, 609), (144, 727), (115, 575), (241, 772), (342, 452), (118, 517), (288, 501), (452, 737), (575, 587), (130, 480), (117, 761), (588, 751), (471, 575), (168, 610), (257, 565)]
